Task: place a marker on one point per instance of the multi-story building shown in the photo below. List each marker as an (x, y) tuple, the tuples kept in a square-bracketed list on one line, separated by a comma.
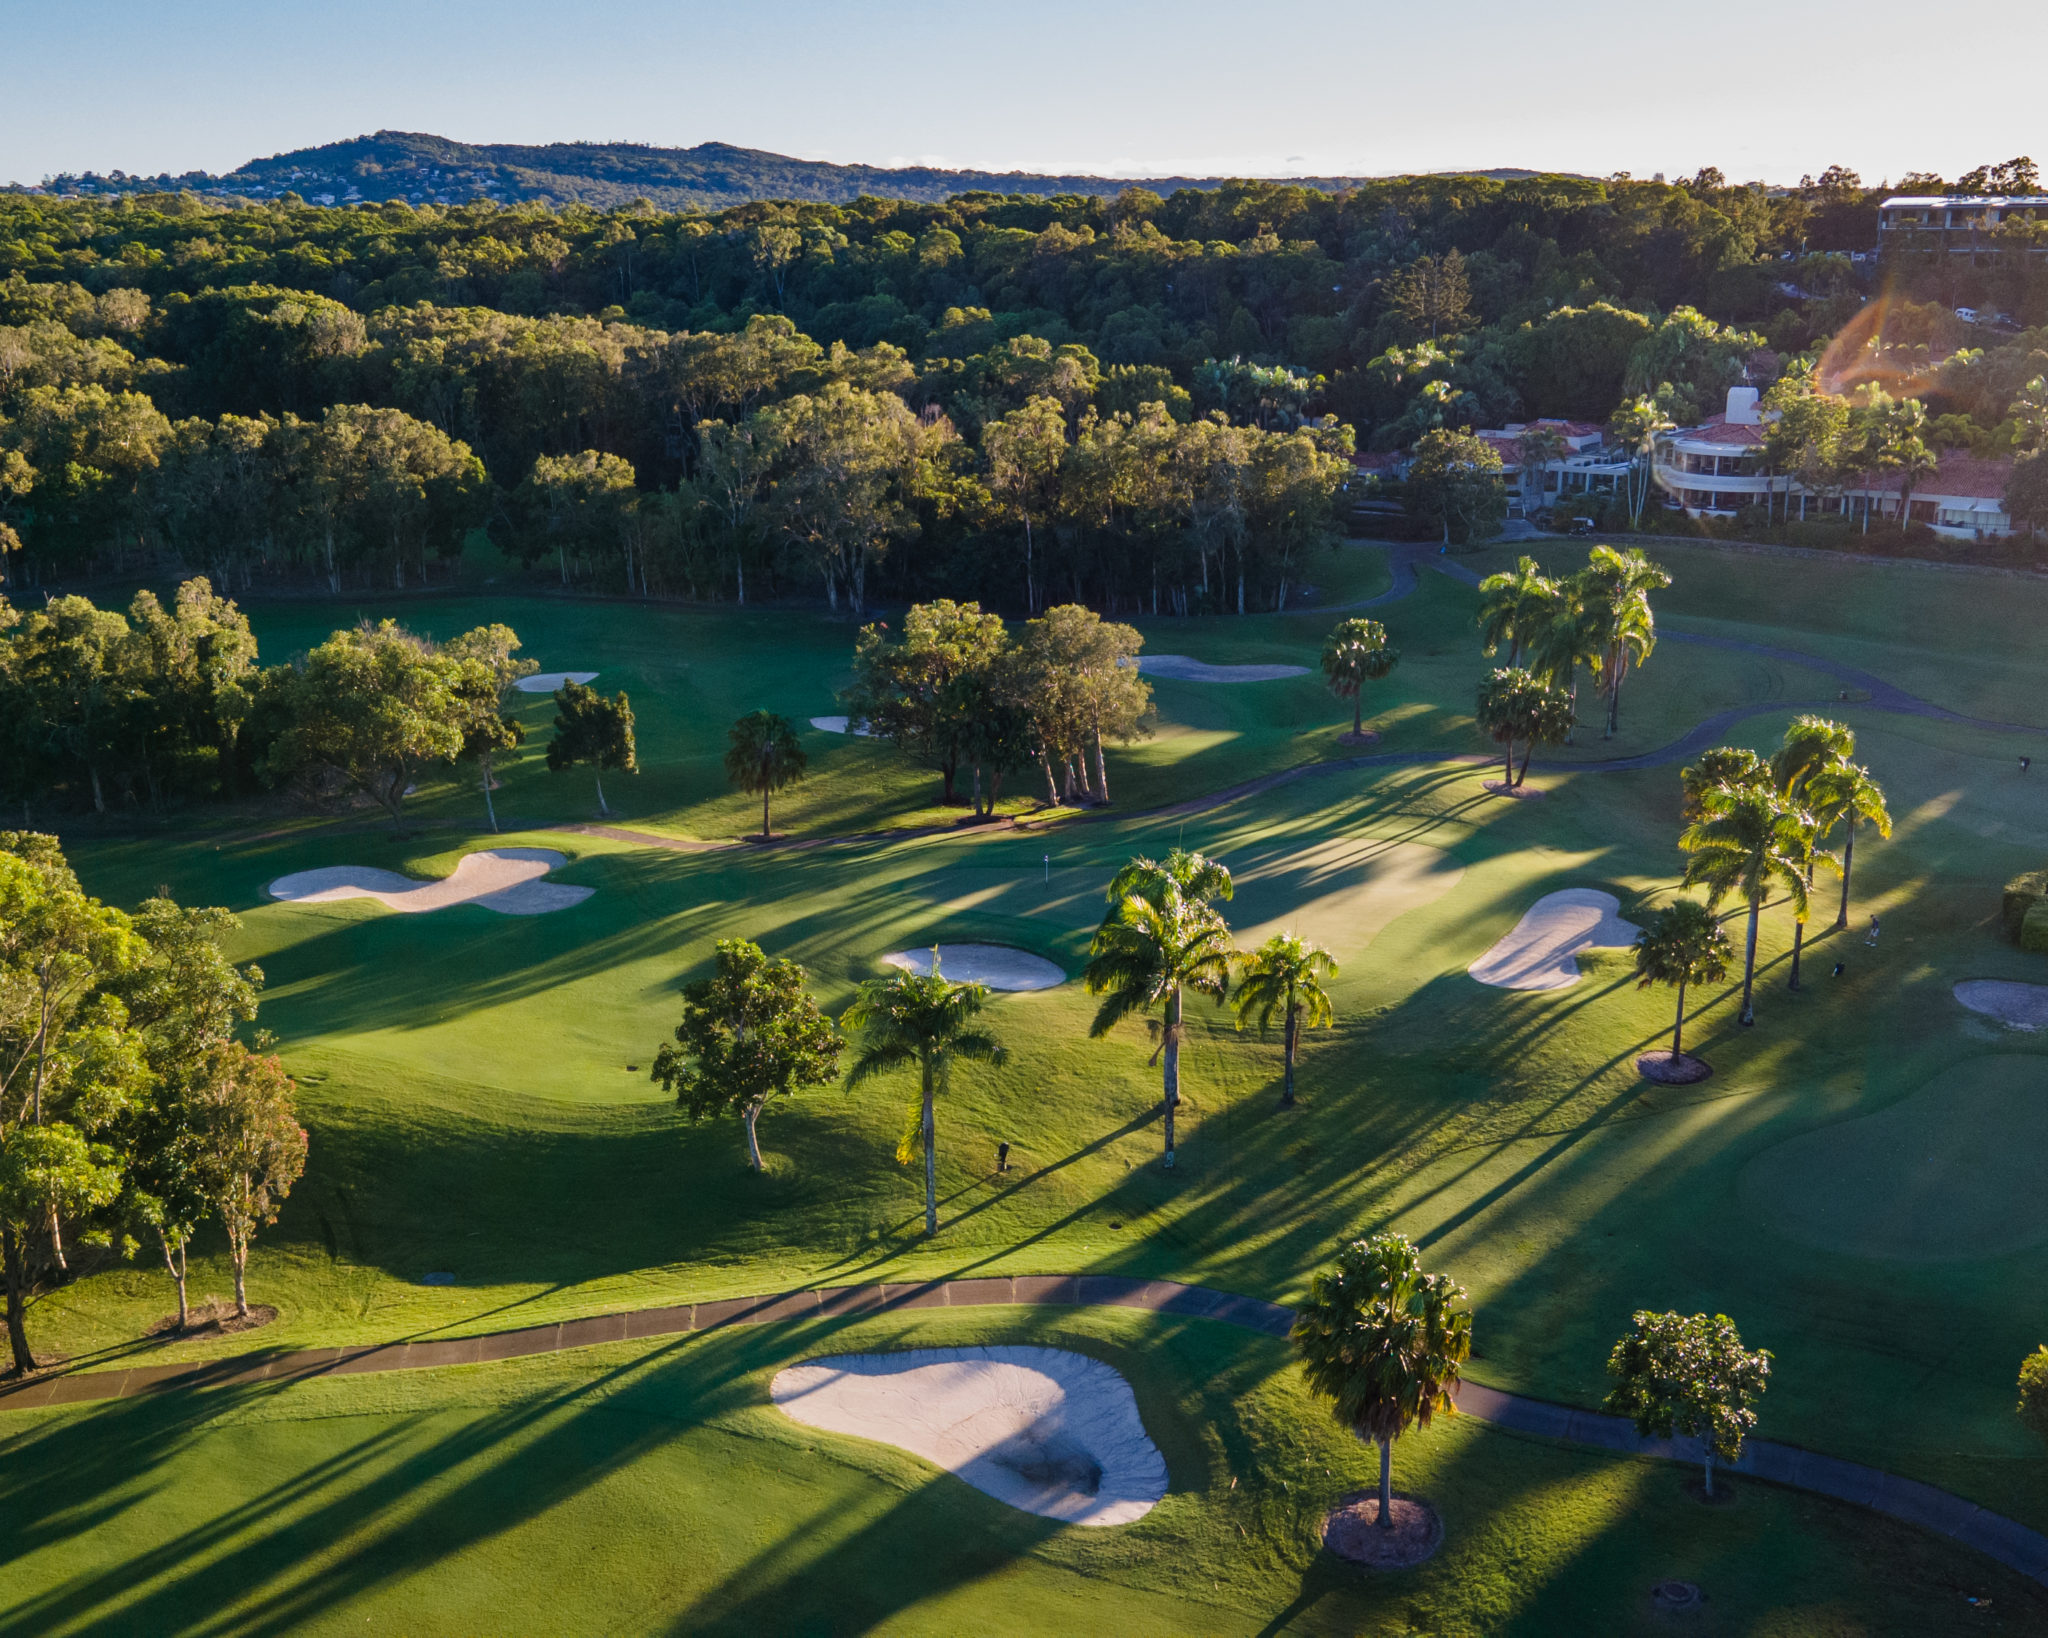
[(1586, 463), (1716, 469), (1974, 225)]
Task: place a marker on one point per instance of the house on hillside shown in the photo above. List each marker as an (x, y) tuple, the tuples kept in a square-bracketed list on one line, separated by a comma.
[(1973, 225), (1717, 468), (1583, 462)]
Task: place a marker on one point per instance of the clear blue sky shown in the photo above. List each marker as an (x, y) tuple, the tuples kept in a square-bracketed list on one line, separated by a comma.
[(1103, 86)]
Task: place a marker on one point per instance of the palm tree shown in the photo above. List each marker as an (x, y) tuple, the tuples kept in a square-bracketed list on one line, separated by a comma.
[(1147, 953), (1193, 877), (1744, 841), (1357, 653), (1685, 945), (1382, 1341), (924, 1020), (1812, 745), (1538, 449), (763, 754), (1617, 592), (1514, 607), (1571, 635), (1842, 793), (1725, 767), (1635, 427), (1285, 975)]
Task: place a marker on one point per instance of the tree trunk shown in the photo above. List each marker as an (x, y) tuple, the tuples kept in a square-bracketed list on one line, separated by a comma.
[(17, 1301), (751, 1114), (1528, 751), (1101, 770), (176, 1264), (1386, 1519), (1848, 859), (57, 1241), (1052, 790), (1749, 966), (239, 1245), (603, 810), (1287, 1075), (764, 815), (931, 1160), (99, 801), (1358, 714), (1798, 943), (1710, 1473), (1507, 778), (490, 807), (1678, 1024), (1170, 1058)]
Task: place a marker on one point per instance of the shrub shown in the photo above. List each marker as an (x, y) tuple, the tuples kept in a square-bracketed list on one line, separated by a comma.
[(2033, 1405), (2034, 928), (2022, 893)]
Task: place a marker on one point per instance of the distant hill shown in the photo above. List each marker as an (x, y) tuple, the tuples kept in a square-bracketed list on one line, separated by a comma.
[(711, 176)]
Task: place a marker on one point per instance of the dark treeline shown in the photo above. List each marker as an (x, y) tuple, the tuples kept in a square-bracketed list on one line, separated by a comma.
[(1135, 402)]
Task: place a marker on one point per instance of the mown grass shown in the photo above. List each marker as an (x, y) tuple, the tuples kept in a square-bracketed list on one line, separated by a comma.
[(652, 1488), (465, 1075)]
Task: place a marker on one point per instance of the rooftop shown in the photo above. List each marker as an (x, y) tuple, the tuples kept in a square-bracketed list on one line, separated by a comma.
[(1963, 201)]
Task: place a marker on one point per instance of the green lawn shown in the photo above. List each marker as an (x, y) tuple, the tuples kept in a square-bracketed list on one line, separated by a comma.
[(465, 1076), (651, 1488)]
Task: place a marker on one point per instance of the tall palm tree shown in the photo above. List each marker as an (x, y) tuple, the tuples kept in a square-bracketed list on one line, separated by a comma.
[(1193, 877), (1635, 427), (925, 1020), (1357, 653), (1617, 587), (1685, 945), (1147, 953), (1572, 634), (1513, 607), (1729, 767), (1744, 841), (763, 754), (1842, 793), (1811, 745), (1285, 975), (1539, 449), (1383, 1342)]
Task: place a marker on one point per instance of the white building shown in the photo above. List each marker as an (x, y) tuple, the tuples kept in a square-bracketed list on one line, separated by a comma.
[(1717, 468), (1960, 225), (1587, 464)]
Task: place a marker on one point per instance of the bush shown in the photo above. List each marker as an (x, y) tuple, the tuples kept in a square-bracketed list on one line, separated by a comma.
[(2022, 893), (2033, 1405), (2034, 928)]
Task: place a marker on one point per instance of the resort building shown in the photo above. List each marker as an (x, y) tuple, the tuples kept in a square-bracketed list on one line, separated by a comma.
[(1964, 225), (1581, 462), (1717, 468)]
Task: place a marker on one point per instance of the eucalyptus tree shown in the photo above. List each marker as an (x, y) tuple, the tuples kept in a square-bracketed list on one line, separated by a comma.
[(1385, 1343), (1285, 975), (1357, 652), (927, 1021)]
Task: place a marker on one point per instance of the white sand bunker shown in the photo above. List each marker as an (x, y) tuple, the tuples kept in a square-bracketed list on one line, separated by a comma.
[(2019, 1006), (1538, 952), (504, 879), (546, 682), (1180, 668), (840, 725), (1045, 1430), (996, 965)]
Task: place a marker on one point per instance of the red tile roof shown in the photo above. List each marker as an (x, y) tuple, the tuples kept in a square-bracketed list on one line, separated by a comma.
[(1716, 430), (1968, 476)]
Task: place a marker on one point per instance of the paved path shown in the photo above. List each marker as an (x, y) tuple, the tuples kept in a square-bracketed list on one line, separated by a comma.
[(2011, 1543)]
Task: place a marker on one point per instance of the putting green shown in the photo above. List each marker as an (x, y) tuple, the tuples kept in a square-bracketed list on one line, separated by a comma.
[(1340, 892), (1952, 1172)]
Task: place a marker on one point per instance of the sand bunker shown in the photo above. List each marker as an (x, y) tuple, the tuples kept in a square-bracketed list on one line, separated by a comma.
[(996, 965), (1952, 1172), (2019, 1006), (546, 682), (1180, 668), (1045, 1430), (1539, 951), (839, 725), (504, 879)]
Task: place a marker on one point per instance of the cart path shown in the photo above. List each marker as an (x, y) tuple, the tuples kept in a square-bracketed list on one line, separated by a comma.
[(2003, 1539)]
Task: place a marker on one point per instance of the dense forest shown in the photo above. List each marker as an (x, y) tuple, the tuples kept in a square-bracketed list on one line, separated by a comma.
[(1138, 403)]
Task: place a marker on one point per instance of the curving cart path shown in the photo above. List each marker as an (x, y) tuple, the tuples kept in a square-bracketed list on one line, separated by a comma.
[(2006, 1540)]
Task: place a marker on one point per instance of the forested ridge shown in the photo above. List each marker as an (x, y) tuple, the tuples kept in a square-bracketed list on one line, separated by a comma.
[(1138, 403)]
